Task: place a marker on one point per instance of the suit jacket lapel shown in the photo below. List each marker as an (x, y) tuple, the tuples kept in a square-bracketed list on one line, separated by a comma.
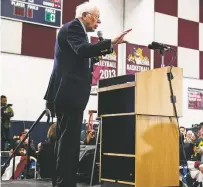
[(83, 29), (90, 59)]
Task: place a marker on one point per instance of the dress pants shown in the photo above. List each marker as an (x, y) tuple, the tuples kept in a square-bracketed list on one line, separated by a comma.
[(67, 147)]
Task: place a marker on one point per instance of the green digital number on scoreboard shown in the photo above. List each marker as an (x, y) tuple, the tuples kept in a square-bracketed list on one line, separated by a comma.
[(50, 17)]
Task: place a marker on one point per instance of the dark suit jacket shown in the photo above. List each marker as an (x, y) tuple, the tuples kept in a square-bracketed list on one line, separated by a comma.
[(70, 80)]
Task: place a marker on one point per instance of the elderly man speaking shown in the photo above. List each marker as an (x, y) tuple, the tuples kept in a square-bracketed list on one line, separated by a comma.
[(69, 87)]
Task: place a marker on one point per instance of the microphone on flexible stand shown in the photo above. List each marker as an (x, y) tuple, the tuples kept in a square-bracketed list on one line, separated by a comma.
[(160, 46), (97, 59)]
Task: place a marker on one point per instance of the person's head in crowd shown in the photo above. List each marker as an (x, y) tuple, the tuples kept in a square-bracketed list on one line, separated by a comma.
[(3, 100), (182, 130), (89, 15), (193, 137), (190, 137), (189, 134), (51, 135), (23, 134), (200, 136), (200, 130), (22, 151), (201, 125)]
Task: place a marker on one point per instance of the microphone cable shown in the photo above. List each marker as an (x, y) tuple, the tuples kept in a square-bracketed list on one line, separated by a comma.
[(173, 101)]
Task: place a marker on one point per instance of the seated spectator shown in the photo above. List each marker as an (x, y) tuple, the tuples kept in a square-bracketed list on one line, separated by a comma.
[(189, 137), (22, 151), (46, 158), (182, 130), (188, 146), (200, 130)]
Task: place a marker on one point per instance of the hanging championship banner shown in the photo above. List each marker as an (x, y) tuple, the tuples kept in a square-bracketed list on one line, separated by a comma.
[(137, 58), (195, 99), (106, 67)]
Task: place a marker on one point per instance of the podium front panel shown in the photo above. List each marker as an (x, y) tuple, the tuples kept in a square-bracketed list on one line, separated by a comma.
[(157, 151)]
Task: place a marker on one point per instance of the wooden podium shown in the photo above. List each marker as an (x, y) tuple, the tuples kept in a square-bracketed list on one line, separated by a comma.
[(139, 132)]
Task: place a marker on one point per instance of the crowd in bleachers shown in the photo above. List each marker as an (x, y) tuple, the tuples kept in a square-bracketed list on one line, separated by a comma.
[(192, 141), (43, 154), (191, 155), (44, 151)]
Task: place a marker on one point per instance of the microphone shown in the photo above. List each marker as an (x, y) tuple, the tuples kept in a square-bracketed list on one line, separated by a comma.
[(156, 45), (97, 59), (100, 35)]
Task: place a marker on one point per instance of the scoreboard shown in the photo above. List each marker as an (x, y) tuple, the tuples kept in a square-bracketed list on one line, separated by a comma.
[(41, 12)]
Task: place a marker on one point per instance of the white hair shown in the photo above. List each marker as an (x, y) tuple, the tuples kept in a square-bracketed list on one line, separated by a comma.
[(84, 7)]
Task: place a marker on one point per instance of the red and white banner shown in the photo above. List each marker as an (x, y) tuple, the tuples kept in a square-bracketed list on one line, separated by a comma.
[(106, 67), (20, 164), (137, 58), (195, 99)]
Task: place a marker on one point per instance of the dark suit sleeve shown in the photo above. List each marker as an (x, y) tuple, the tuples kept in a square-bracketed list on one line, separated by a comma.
[(77, 40)]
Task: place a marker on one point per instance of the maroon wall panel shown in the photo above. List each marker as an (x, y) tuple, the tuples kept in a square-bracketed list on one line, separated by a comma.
[(201, 52), (188, 34), (169, 7), (201, 11), (38, 41), (201, 65)]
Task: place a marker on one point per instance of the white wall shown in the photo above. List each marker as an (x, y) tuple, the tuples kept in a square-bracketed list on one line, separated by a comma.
[(139, 15), (11, 36), (24, 82), (111, 14), (190, 116), (188, 59)]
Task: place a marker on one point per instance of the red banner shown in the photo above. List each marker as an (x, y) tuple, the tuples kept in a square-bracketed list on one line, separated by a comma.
[(195, 99), (137, 58), (106, 67)]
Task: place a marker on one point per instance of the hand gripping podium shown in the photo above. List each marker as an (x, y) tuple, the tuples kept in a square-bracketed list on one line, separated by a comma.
[(139, 132)]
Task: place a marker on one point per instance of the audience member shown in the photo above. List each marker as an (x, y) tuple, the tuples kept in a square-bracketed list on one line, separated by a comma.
[(6, 114), (46, 157)]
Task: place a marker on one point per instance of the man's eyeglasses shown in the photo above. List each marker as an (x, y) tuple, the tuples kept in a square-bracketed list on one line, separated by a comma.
[(96, 16)]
